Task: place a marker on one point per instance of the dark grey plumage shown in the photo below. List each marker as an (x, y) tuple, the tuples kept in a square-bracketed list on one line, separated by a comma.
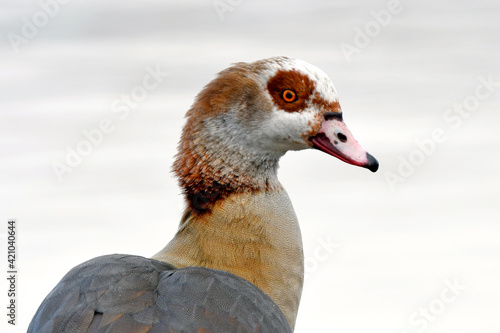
[(124, 293)]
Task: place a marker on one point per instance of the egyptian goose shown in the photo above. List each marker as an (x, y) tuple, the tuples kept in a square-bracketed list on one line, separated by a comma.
[(236, 262)]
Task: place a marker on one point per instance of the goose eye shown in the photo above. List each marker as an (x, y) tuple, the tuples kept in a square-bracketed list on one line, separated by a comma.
[(289, 96)]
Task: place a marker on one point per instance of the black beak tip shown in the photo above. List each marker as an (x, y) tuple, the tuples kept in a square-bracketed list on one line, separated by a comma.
[(372, 164)]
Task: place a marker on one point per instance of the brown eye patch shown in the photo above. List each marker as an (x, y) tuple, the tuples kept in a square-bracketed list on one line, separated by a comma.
[(290, 90)]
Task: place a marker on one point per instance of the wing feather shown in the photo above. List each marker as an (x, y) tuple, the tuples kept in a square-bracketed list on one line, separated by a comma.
[(123, 293)]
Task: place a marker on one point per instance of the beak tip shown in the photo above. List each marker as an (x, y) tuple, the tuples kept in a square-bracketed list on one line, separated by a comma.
[(372, 164)]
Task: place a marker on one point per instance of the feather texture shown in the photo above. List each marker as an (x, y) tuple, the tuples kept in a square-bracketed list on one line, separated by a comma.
[(124, 293)]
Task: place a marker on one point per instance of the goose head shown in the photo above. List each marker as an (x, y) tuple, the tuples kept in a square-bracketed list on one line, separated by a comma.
[(250, 115)]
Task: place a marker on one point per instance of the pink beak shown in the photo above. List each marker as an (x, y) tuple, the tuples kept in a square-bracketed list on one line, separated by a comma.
[(334, 138)]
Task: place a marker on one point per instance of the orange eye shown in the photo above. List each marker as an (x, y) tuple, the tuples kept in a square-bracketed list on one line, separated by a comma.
[(289, 96)]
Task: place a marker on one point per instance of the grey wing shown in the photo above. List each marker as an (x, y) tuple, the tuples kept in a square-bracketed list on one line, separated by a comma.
[(122, 293)]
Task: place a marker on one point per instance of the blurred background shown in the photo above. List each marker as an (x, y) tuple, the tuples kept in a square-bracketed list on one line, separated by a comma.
[(412, 248)]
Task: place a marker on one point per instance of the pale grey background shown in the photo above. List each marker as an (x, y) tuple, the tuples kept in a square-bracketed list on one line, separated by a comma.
[(395, 248)]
